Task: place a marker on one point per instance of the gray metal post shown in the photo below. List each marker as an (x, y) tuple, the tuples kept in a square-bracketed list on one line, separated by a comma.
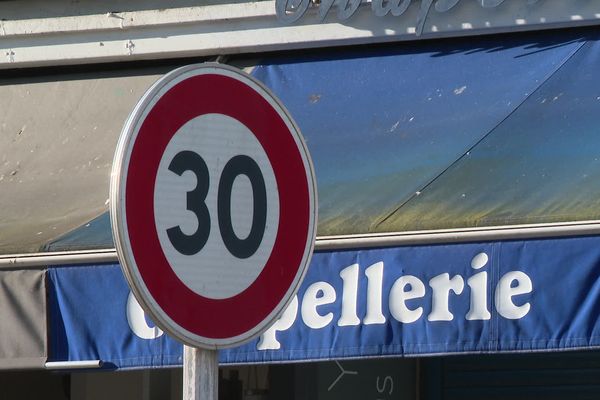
[(200, 374)]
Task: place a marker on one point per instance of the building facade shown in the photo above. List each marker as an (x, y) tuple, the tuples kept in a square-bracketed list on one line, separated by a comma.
[(456, 150)]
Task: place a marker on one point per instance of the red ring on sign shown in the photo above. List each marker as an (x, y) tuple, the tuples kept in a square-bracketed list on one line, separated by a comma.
[(202, 316)]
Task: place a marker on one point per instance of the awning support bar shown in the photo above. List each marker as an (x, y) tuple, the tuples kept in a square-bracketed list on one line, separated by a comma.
[(85, 364), (517, 232)]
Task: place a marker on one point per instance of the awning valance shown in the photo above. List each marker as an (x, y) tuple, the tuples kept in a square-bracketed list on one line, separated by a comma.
[(517, 296)]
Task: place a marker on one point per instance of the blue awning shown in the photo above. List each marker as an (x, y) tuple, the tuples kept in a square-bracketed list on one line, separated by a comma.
[(457, 133), (516, 296), (449, 134), (461, 133)]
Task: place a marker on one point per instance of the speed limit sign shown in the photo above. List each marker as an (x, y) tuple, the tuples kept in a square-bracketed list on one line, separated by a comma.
[(213, 205)]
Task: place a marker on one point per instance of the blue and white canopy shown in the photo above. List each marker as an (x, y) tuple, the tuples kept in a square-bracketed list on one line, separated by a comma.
[(461, 133)]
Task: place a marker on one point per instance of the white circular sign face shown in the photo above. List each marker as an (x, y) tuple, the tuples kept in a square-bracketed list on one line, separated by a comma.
[(213, 205), (214, 272)]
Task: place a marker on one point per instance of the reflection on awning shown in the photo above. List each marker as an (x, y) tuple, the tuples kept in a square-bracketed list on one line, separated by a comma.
[(481, 131), (450, 134), (23, 336), (95, 234)]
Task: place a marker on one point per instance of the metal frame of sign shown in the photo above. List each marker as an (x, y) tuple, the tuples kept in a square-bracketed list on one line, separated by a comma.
[(156, 271)]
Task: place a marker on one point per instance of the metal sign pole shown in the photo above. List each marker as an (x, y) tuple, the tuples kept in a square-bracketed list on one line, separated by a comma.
[(200, 374)]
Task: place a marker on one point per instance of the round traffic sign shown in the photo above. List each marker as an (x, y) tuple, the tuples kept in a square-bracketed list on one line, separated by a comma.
[(213, 205)]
